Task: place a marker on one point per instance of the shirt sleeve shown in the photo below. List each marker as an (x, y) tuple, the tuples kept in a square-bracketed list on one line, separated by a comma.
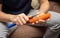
[(1, 1)]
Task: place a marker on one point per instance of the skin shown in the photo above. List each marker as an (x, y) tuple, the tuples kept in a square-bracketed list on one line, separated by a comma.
[(44, 6)]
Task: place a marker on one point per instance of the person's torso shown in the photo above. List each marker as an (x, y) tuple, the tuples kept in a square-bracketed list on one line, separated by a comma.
[(16, 6)]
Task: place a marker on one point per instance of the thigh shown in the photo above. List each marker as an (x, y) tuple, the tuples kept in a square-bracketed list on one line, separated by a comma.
[(51, 34), (3, 31), (54, 20), (26, 31), (55, 12), (55, 17)]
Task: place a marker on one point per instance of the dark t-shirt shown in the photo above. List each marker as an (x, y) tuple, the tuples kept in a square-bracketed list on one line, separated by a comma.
[(16, 6)]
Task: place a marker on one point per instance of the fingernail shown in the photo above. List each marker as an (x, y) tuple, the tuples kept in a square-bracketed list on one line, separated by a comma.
[(36, 21), (25, 23)]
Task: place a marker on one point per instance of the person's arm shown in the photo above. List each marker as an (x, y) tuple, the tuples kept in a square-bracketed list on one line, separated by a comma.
[(44, 6), (19, 19), (3, 16)]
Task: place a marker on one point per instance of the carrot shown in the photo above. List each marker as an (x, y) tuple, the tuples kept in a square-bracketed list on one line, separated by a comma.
[(41, 17)]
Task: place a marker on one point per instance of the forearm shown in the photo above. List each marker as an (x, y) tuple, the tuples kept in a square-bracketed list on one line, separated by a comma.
[(4, 17), (44, 7)]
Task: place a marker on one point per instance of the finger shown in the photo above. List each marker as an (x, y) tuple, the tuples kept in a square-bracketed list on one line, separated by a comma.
[(22, 20), (33, 23), (25, 17), (40, 14), (15, 22), (30, 17), (37, 22), (19, 21)]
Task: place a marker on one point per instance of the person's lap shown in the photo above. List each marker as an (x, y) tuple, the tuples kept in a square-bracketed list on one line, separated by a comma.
[(36, 31), (27, 31), (24, 31), (54, 20)]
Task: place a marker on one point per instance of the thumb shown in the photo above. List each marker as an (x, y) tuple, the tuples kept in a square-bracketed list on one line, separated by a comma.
[(30, 16)]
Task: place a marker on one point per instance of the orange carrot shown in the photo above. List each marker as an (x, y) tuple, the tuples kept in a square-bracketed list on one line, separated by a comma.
[(41, 17)]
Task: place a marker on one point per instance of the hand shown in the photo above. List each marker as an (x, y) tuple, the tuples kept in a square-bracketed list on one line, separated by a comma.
[(39, 21), (19, 19)]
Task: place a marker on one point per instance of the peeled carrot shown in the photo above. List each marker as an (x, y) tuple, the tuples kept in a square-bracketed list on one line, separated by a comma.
[(41, 17)]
